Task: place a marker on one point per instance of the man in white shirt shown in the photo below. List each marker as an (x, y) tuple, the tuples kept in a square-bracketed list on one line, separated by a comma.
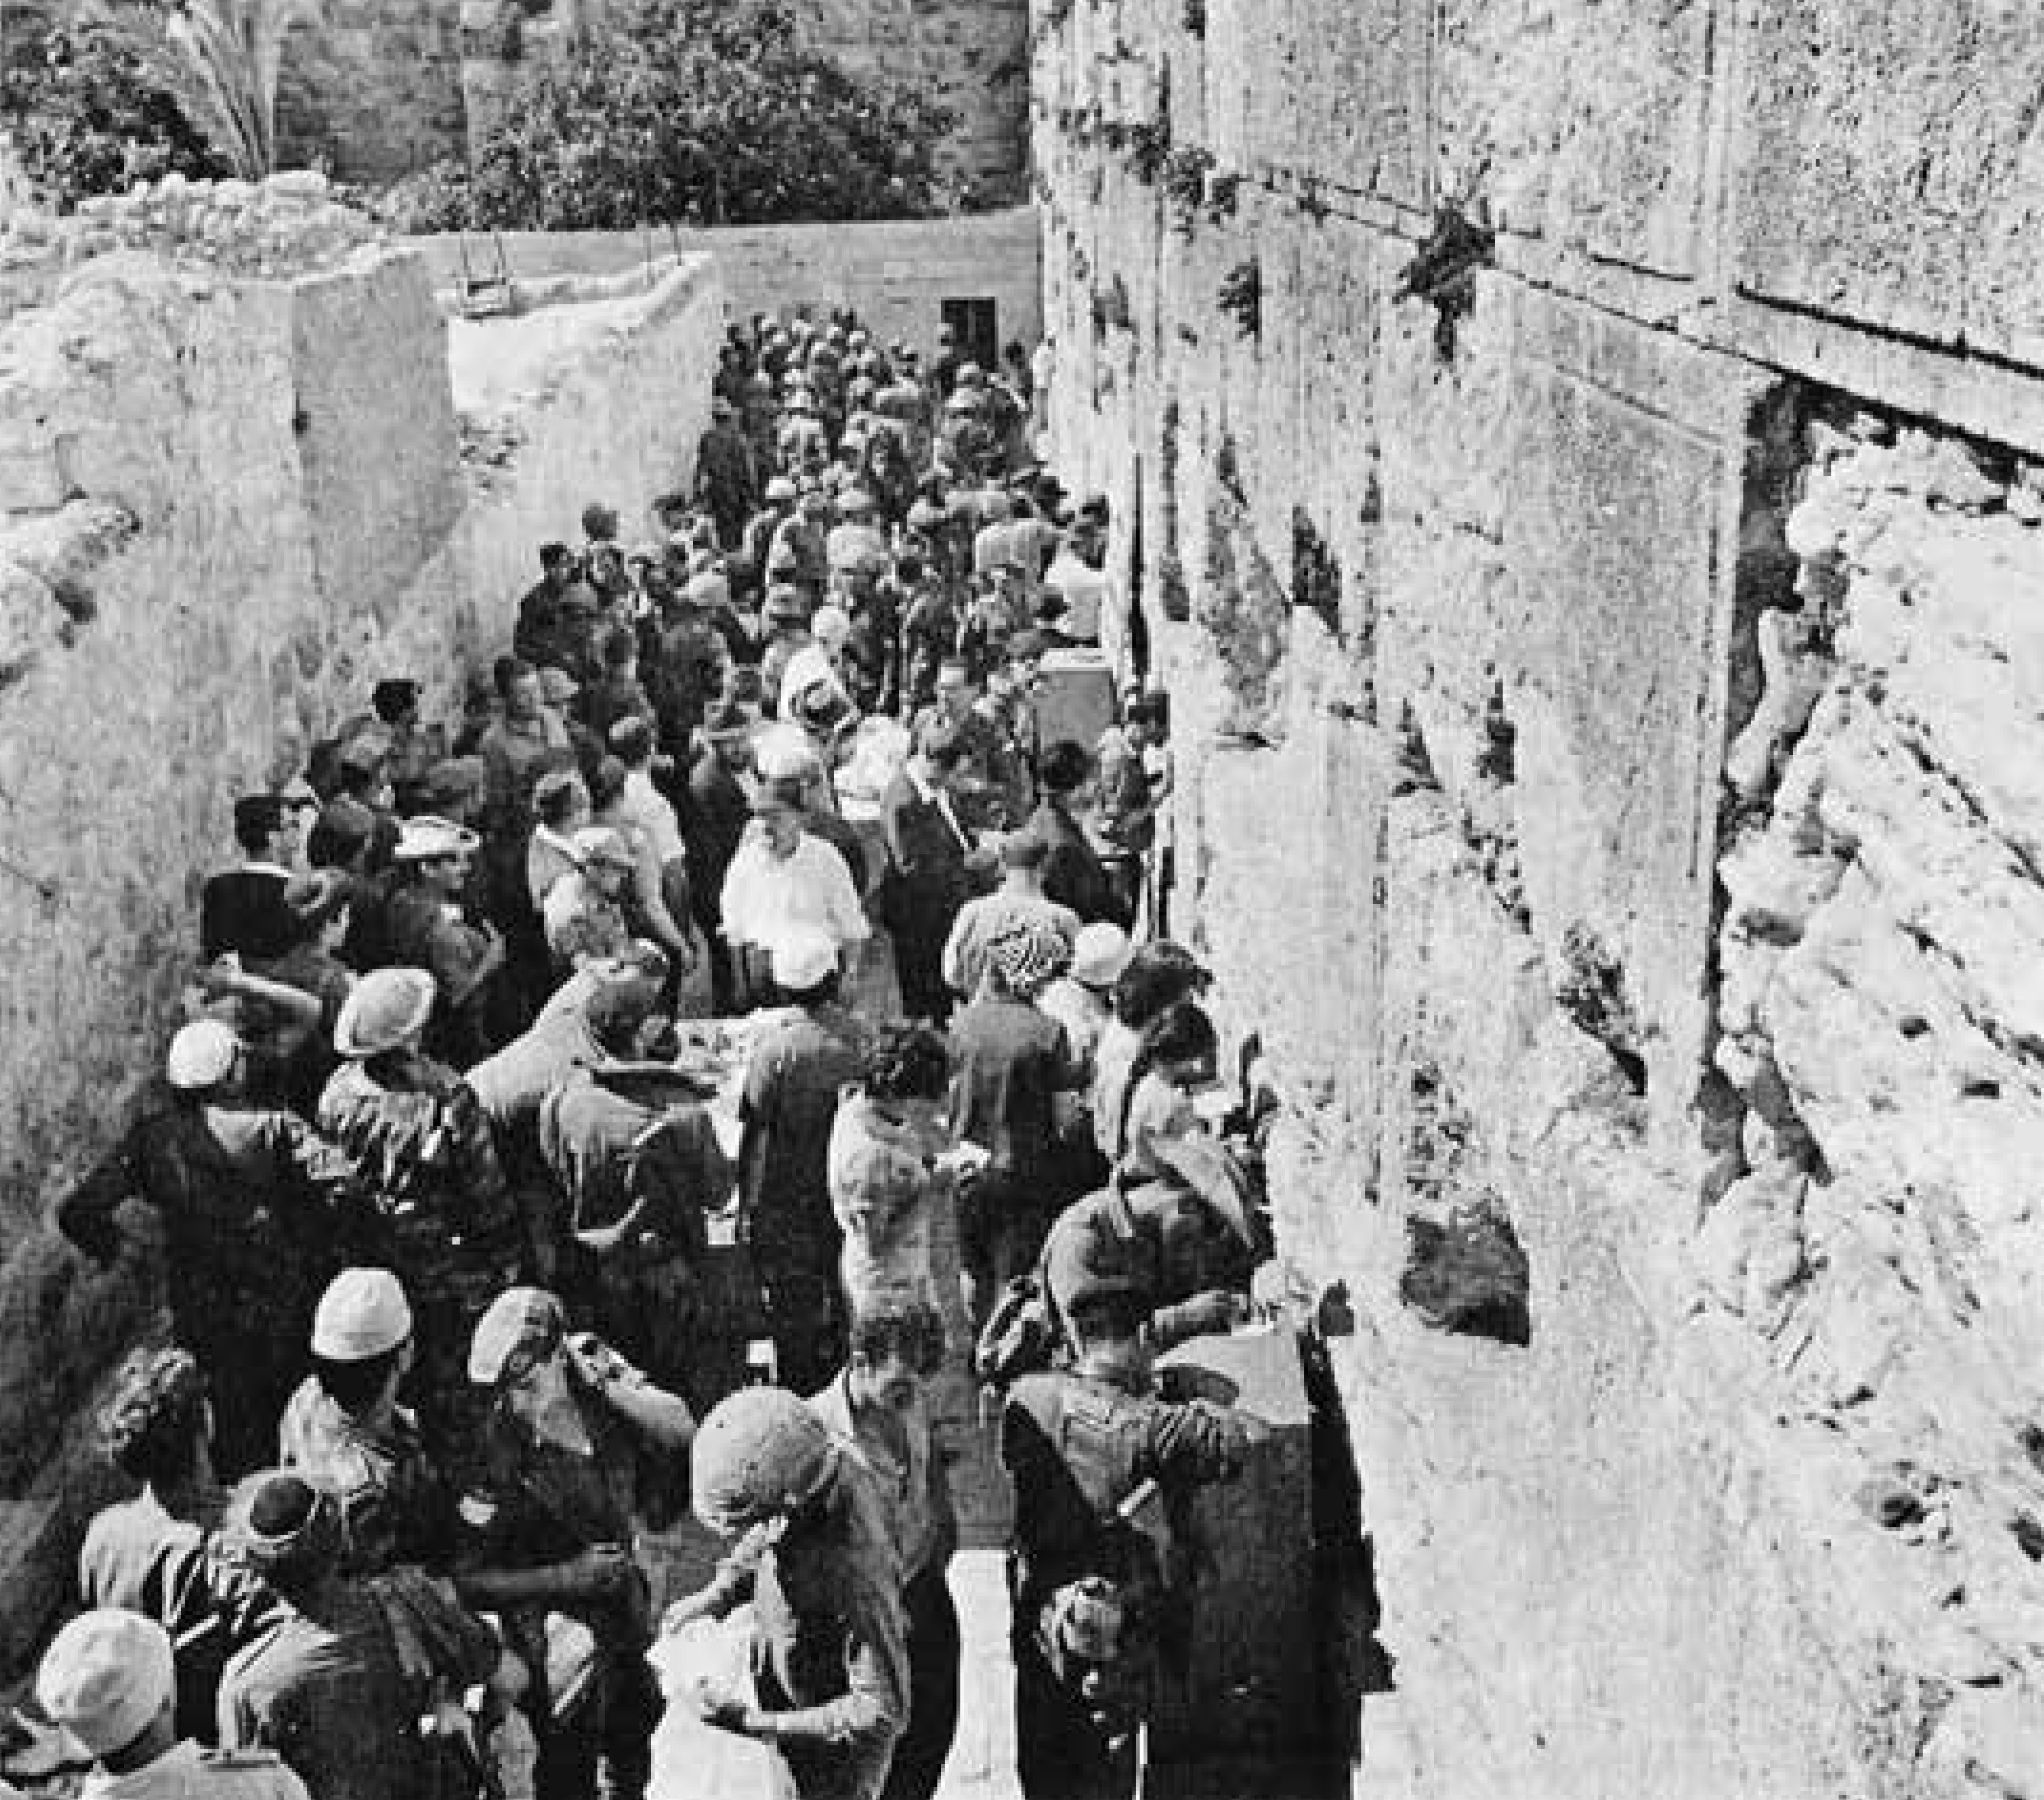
[(1076, 574), (782, 876)]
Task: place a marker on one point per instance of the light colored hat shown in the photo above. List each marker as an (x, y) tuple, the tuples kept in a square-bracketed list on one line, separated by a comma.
[(709, 589), (106, 1677), (1100, 953), (802, 958), (201, 1056), (522, 1323), (362, 1314), (780, 489), (606, 844), (830, 628), (427, 837), (782, 752), (388, 1006)]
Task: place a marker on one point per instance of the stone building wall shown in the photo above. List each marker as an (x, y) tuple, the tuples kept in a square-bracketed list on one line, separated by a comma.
[(1605, 698), (186, 599), (897, 273), (972, 55), (371, 90)]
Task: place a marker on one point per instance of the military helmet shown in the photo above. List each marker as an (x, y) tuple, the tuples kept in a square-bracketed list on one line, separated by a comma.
[(761, 1454), (1082, 1267)]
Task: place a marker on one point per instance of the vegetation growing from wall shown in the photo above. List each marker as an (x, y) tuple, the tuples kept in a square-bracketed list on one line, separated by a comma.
[(690, 112)]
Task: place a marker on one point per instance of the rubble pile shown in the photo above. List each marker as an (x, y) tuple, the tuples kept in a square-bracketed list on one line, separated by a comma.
[(288, 225)]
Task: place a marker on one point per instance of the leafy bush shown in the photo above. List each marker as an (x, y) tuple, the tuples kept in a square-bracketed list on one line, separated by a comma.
[(88, 118), (694, 112)]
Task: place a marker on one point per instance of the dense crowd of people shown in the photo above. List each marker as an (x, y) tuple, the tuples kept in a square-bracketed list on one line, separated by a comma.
[(449, 1196)]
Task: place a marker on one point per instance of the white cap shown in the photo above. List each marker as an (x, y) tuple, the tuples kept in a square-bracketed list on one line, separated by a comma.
[(830, 626), (362, 1314), (802, 958), (1100, 953), (420, 839), (105, 1678), (202, 1055)]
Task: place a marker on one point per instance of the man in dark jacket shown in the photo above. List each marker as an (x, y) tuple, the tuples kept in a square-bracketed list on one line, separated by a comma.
[(1074, 874), (927, 879), (253, 1201)]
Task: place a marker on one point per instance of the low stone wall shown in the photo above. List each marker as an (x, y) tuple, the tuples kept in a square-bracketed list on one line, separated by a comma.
[(230, 507), (896, 275), (605, 400)]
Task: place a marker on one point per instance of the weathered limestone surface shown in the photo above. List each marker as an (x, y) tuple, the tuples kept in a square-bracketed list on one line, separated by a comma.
[(229, 506), (602, 400), (896, 275), (1608, 782)]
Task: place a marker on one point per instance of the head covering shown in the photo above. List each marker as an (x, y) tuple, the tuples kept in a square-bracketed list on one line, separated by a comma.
[(1029, 954), (201, 1056), (258, 815), (830, 627), (362, 1314), (605, 844), (555, 786), (801, 957), (761, 1454), (785, 754), (709, 589), (317, 898), (453, 782), (728, 721), (1099, 954), (362, 754), (106, 1677), (388, 1007), (780, 489), (522, 1325), (277, 1520), (394, 695), (426, 838)]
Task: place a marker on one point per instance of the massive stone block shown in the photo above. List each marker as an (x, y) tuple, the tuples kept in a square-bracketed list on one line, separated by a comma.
[(1582, 122), (1888, 168)]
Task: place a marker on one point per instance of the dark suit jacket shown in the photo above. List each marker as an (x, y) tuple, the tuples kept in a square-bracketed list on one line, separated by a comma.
[(1073, 873), (927, 880), (243, 911)]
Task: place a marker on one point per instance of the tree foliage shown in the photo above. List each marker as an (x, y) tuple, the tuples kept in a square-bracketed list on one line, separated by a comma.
[(703, 111), (90, 116)]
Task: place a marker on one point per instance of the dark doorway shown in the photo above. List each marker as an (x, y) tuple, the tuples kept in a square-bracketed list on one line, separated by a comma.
[(977, 329)]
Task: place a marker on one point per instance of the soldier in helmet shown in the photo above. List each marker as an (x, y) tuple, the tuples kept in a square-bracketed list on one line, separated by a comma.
[(578, 1447), (108, 1678), (1095, 1456), (818, 1563), (446, 1221)]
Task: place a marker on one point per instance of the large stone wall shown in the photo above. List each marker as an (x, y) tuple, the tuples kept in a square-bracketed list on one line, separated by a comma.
[(1605, 699), (190, 598)]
